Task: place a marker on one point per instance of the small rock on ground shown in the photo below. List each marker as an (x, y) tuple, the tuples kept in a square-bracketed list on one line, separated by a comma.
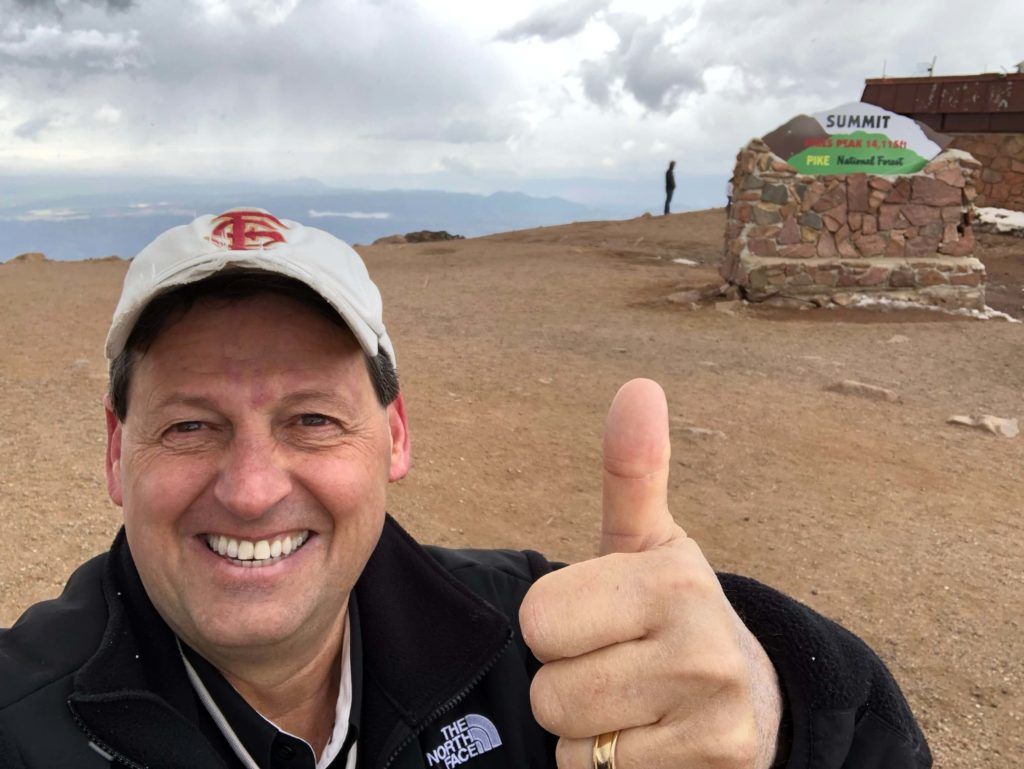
[(863, 390), (1008, 428), (729, 307), (685, 297), (703, 432)]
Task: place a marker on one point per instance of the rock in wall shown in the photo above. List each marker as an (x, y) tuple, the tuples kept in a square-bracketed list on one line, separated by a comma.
[(1000, 180)]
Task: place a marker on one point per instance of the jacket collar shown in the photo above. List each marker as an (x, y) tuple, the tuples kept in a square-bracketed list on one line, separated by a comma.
[(426, 640), (132, 696)]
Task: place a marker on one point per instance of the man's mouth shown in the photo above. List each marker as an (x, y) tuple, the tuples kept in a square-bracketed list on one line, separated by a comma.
[(263, 552)]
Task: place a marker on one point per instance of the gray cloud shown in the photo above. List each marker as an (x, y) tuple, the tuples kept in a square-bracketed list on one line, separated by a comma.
[(597, 81), (658, 68), (271, 90), (58, 6), (457, 165), (50, 44), (654, 72), (555, 22), (468, 131), (31, 128), (361, 88), (452, 130)]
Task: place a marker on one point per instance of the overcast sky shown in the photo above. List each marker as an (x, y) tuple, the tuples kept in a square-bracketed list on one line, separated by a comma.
[(465, 91)]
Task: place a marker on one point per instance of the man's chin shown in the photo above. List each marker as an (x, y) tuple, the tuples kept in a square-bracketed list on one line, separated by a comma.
[(232, 630)]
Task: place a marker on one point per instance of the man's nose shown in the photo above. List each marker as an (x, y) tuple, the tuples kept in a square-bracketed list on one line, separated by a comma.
[(252, 479)]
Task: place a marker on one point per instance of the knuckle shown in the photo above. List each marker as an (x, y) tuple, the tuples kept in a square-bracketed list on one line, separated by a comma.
[(678, 580), (738, 748), (731, 671), (719, 672), (730, 677), (729, 737), (684, 570), (549, 708), (533, 623)]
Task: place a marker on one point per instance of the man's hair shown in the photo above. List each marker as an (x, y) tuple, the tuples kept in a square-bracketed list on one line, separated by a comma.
[(230, 286)]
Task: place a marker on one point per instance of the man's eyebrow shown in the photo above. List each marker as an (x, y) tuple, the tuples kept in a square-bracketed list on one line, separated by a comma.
[(180, 399), (314, 394), (298, 396)]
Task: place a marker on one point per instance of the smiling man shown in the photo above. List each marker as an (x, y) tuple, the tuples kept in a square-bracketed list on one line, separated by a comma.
[(260, 610)]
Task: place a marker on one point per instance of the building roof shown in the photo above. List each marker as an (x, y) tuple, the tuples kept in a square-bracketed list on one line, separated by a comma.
[(989, 103)]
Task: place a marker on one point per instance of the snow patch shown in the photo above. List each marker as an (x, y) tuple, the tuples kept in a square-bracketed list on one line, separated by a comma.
[(899, 304), (1004, 219)]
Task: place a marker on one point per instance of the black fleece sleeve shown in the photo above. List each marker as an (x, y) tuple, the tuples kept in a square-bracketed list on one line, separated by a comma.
[(845, 709)]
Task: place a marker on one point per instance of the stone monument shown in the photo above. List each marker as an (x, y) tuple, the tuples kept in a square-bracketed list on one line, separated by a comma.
[(853, 201)]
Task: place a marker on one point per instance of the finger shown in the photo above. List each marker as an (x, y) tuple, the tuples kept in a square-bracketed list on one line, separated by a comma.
[(632, 750), (616, 687), (620, 597), (715, 737), (683, 669), (586, 606), (636, 462)]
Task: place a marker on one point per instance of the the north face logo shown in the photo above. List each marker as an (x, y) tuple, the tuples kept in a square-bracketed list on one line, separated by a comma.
[(464, 739)]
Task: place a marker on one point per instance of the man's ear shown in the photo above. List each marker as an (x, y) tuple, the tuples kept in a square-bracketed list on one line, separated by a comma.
[(401, 449), (113, 453)]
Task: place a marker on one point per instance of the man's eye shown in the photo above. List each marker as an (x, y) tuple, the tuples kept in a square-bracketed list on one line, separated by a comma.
[(186, 427), (314, 420)]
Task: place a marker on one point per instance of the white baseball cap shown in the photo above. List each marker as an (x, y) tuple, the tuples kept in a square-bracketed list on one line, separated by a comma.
[(253, 239)]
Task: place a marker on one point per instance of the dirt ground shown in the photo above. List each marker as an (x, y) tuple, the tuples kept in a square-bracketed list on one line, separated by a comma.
[(902, 527)]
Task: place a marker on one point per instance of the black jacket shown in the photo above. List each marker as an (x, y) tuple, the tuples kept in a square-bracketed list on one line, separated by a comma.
[(446, 674)]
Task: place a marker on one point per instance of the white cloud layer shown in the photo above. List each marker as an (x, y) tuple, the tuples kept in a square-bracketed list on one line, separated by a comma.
[(268, 13), (48, 44), (314, 214), (454, 92)]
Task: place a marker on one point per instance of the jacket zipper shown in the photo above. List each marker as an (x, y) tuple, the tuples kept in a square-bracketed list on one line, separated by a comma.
[(451, 703), (114, 755)]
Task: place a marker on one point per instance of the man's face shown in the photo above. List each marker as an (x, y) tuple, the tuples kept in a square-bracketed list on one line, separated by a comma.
[(253, 429)]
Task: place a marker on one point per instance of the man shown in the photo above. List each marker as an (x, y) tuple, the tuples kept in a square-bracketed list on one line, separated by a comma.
[(670, 184), (260, 610)]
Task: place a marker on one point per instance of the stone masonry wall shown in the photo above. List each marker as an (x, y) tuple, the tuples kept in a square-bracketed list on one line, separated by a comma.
[(1000, 180), (826, 238)]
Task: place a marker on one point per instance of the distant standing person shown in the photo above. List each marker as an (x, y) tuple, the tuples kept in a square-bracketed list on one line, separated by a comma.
[(670, 184)]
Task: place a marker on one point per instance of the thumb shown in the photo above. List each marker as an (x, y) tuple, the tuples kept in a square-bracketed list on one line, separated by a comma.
[(636, 460)]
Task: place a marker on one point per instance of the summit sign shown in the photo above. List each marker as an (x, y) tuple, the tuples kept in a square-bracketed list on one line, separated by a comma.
[(854, 138)]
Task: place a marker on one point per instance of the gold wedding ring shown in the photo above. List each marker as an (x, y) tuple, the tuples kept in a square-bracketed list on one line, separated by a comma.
[(604, 750)]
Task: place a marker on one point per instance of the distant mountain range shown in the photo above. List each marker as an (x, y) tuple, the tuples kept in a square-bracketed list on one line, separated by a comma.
[(102, 216)]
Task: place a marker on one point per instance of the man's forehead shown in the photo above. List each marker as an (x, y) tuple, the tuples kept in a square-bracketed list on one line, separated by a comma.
[(233, 390), (263, 341)]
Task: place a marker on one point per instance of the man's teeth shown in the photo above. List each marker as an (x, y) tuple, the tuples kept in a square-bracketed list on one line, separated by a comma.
[(260, 553)]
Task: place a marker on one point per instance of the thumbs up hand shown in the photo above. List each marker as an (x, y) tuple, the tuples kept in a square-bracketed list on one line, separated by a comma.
[(642, 640)]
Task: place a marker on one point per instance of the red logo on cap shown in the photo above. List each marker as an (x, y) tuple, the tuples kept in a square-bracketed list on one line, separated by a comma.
[(245, 230)]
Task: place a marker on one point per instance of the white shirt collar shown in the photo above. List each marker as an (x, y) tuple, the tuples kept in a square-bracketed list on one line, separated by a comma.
[(342, 710)]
